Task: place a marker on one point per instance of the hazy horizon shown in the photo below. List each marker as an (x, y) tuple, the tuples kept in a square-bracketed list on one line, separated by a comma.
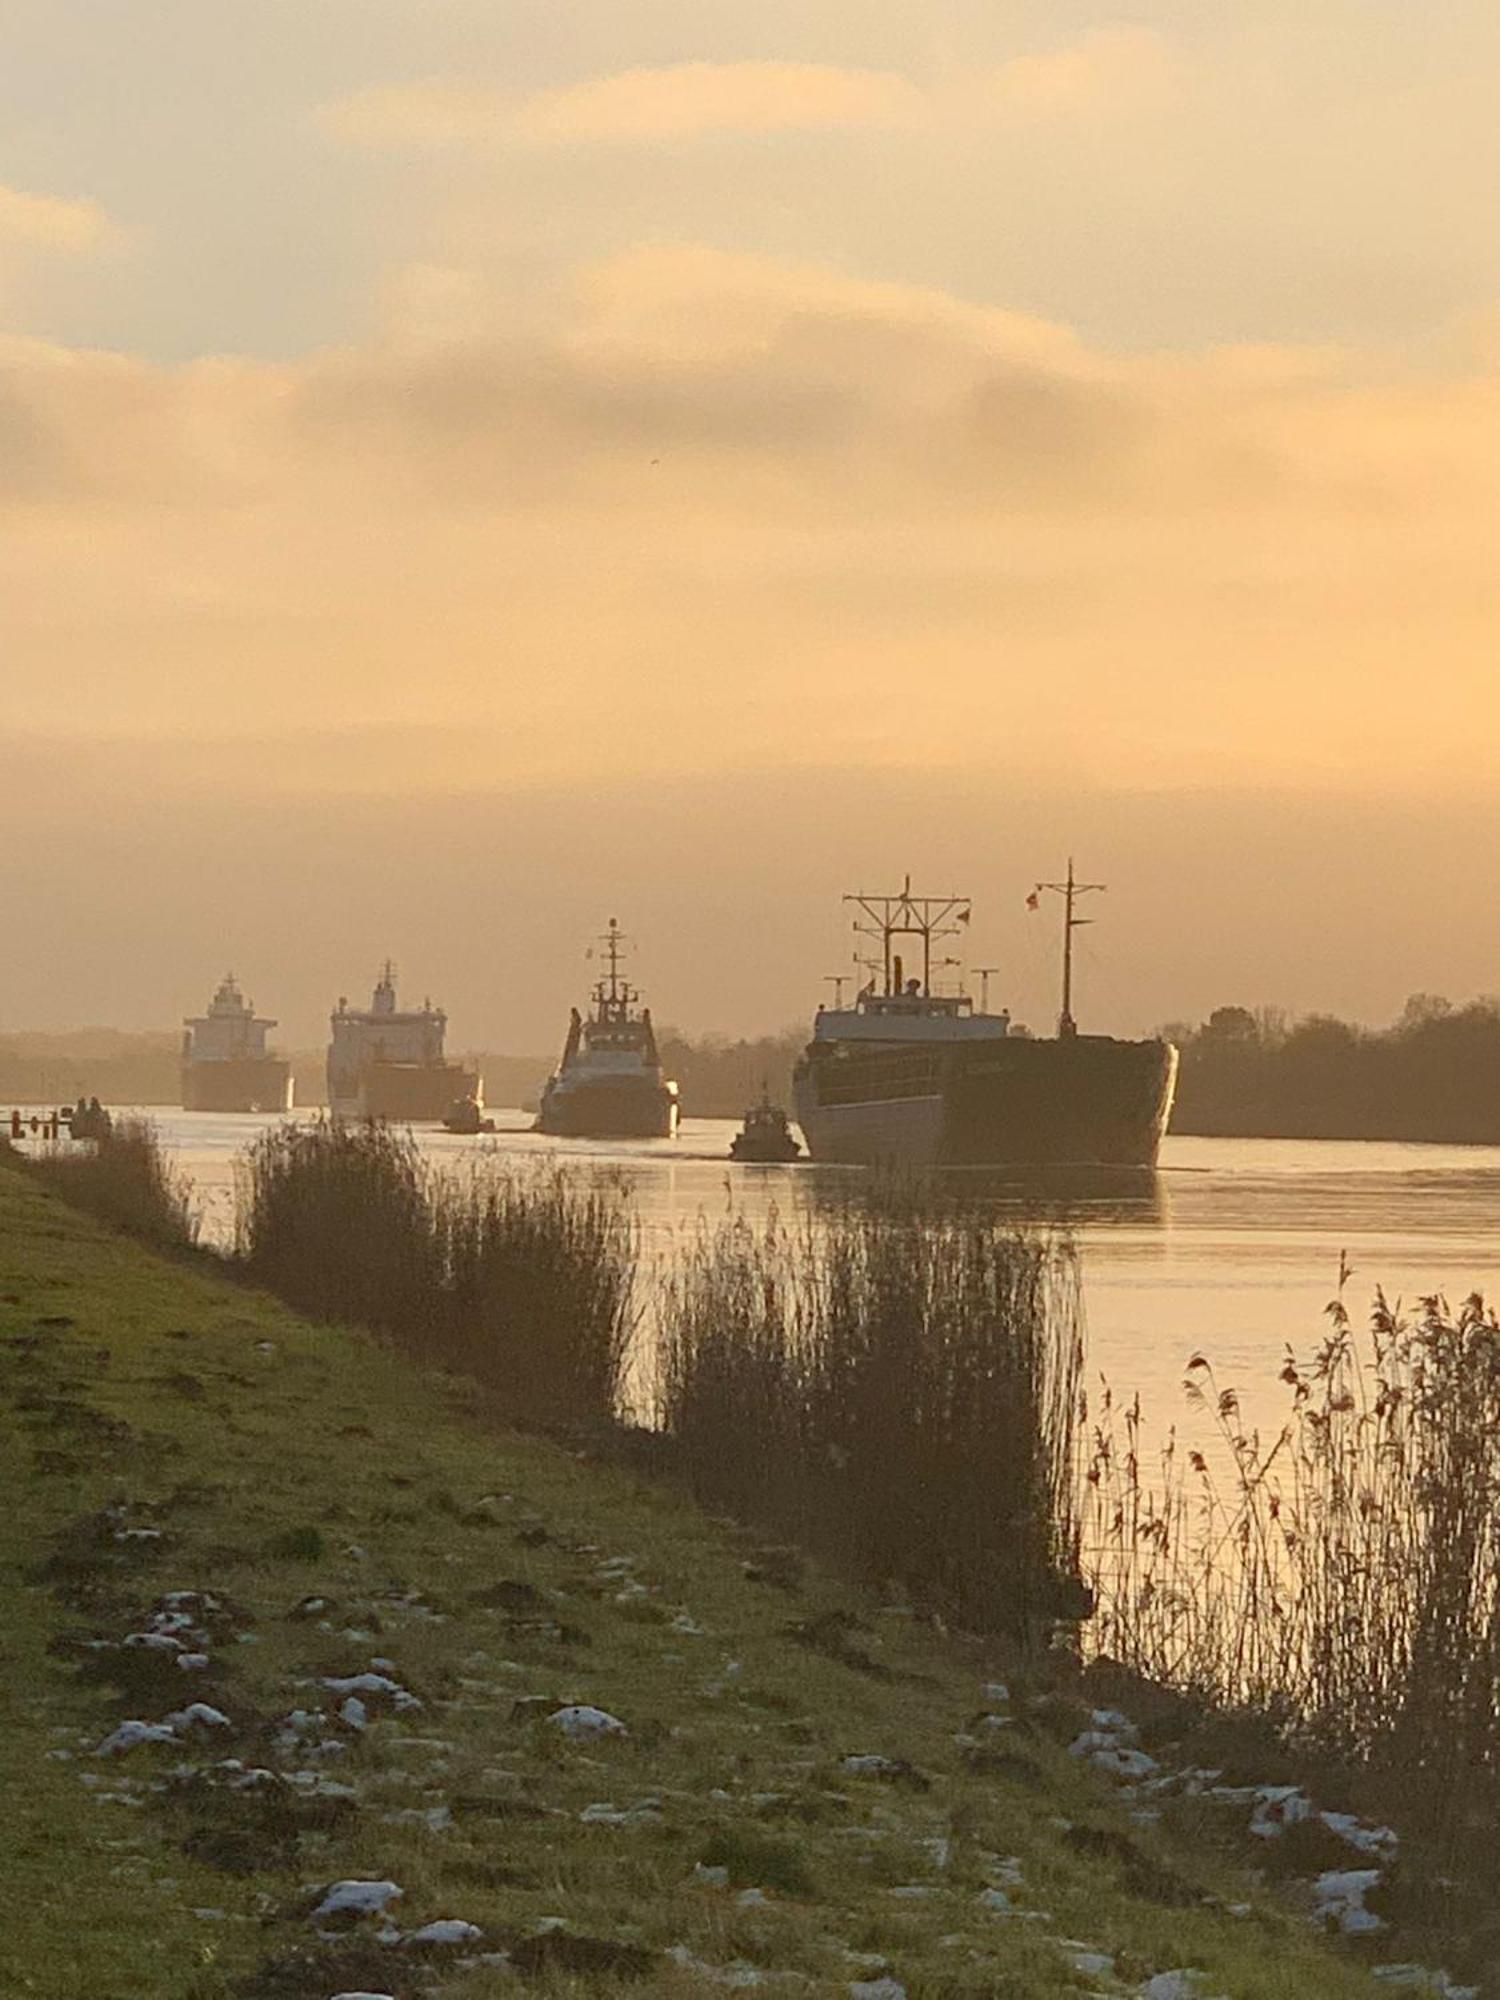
[(466, 473)]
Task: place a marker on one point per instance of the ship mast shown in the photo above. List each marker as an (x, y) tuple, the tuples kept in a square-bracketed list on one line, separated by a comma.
[(1070, 891), (613, 992), (905, 915)]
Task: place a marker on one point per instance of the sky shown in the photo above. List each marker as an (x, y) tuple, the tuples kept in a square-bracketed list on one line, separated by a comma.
[(470, 471)]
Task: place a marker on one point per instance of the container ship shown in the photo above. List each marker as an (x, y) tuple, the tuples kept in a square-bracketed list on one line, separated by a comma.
[(609, 1083), (225, 1063), (386, 1062), (912, 1077)]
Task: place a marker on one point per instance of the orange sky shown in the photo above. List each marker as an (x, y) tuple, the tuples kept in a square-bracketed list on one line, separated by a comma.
[(466, 472)]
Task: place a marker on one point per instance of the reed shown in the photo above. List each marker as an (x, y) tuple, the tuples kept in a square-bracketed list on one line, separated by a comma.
[(336, 1219), (1342, 1578), (895, 1386), (127, 1181), (538, 1274), (523, 1281)]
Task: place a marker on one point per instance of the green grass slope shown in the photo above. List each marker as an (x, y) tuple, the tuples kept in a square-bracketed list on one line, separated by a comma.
[(333, 1514)]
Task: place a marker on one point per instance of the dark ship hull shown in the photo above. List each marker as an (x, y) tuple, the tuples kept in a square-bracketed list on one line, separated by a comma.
[(240, 1084), (405, 1093), (599, 1109), (1085, 1100), (608, 1109)]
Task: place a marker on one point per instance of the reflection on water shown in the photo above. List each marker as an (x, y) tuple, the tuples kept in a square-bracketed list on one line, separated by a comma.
[(1231, 1250)]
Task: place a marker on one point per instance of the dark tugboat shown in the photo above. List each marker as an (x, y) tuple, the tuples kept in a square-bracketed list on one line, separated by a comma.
[(766, 1135), (609, 1084), (466, 1117), (907, 1076)]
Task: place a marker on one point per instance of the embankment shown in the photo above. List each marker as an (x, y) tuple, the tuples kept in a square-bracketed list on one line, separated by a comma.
[(364, 1638)]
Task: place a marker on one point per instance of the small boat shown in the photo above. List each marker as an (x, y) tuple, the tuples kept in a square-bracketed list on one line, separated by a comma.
[(465, 1117), (766, 1135)]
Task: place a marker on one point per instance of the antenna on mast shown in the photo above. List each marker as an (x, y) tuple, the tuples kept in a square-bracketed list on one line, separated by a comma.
[(1070, 891), (929, 918), (614, 993)]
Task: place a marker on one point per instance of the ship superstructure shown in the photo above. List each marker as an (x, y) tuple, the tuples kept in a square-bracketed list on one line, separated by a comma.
[(226, 1065), (609, 1083), (912, 1076), (388, 1062)]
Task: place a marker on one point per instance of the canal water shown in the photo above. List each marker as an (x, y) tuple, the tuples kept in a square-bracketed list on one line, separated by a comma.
[(1232, 1250)]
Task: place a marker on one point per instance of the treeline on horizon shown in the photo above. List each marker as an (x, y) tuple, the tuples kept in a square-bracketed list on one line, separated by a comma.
[(1433, 1075)]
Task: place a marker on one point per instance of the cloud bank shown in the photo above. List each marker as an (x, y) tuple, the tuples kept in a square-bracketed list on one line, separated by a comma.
[(1104, 71)]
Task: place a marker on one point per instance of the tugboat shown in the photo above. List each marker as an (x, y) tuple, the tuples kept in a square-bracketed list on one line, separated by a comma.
[(766, 1135), (388, 1063), (609, 1083), (226, 1065), (465, 1117), (910, 1077)]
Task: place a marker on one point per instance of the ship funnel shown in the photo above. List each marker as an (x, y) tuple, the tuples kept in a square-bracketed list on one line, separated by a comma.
[(896, 971)]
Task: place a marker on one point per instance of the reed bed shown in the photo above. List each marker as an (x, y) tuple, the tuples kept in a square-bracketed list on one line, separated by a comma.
[(538, 1276), (127, 1181), (895, 1386), (522, 1280), (1342, 1578), (337, 1219)]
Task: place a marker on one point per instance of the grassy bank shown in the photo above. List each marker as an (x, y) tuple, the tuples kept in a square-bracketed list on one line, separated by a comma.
[(333, 1508)]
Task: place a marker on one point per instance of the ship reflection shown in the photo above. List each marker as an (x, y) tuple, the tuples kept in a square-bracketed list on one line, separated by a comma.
[(1052, 1197)]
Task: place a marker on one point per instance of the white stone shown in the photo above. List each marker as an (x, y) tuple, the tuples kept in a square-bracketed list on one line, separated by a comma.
[(446, 1930), (198, 1715), (1092, 1964), (581, 1723), (156, 1642), (876, 1989), (1120, 1761), (129, 1734), (358, 1898), (1367, 1839), (354, 1712), (1341, 1893)]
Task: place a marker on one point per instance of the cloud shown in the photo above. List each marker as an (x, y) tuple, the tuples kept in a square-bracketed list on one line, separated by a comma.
[(1106, 70), (51, 222), (719, 511), (683, 101), (769, 388)]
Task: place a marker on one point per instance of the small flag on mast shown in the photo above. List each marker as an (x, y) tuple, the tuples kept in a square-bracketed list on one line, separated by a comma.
[(1034, 900)]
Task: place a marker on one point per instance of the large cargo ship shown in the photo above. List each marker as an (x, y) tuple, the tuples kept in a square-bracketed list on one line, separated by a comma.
[(384, 1062), (912, 1077), (226, 1065), (609, 1084)]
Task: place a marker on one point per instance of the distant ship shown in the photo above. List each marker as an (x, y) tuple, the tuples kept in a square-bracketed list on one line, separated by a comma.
[(609, 1084), (225, 1063), (386, 1063), (908, 1076)]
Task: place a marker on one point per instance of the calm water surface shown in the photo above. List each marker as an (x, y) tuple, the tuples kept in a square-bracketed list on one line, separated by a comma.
[(1233, 1250)]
